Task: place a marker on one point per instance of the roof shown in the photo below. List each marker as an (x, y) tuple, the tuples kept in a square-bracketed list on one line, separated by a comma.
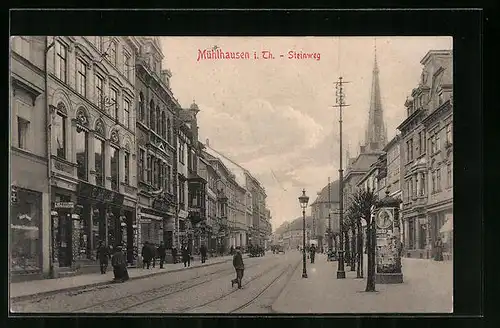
[(239, 172), (323, 194)]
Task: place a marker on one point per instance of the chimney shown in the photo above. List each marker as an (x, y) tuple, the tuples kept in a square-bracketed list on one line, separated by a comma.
[(207, 142)]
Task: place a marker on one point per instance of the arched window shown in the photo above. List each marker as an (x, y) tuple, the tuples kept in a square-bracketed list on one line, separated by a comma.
[(158, 120), (141, 107), (152, 115), (163, 122), (169, 131)]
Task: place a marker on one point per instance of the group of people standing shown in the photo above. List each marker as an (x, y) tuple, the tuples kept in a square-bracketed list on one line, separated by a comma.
[(150, 253)]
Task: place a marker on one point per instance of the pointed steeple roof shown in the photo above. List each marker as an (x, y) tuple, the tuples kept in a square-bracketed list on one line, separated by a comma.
[(376, 135)]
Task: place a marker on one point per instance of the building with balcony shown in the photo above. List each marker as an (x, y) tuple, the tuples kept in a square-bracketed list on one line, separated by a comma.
[(30, 225), (155, 113), (91, 89), (420, 141)]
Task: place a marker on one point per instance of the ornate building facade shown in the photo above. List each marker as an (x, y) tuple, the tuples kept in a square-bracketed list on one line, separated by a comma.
[(156, 153), (91, 82)]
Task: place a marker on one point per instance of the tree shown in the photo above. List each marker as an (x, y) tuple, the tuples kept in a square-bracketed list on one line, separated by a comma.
[(361, 207), (355, 218)]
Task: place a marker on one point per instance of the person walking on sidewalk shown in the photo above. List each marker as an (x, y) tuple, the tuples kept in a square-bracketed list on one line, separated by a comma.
[(239, 267), (438, 256), (103, 255), (161, 254), (203, 253), (312, 250), (154, 253), (146, 255), (186, 256), (174, 254), (119, 265)]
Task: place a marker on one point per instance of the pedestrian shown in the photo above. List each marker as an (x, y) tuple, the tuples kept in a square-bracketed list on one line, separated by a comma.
[(162, 253), (312, 250), (119, 265), (203, 253), (103, 255), (186, 256), (239, 267), (146, 255), (231, 251), (174, 254), (438, 256), (154, 254)]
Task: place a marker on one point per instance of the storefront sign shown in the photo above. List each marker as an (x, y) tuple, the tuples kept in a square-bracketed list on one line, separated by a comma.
[(99, 194), (145, 220), (64, 205)]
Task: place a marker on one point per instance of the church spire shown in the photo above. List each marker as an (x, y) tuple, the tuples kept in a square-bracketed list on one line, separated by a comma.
[(376, 135)]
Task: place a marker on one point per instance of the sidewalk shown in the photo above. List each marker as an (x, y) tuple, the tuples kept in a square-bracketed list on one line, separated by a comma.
[(427, 288), (25, 290)]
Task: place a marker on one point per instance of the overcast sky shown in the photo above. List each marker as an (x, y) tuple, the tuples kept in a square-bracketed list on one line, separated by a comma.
[(274, 116)]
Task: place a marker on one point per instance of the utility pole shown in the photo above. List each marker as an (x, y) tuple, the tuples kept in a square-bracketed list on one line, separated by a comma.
[(340, 100)]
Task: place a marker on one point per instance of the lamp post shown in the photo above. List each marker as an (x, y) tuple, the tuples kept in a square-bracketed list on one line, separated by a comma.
[(340, 100), (303, 199)]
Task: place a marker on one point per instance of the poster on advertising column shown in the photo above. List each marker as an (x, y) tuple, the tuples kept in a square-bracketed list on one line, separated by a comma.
[(386, 246)]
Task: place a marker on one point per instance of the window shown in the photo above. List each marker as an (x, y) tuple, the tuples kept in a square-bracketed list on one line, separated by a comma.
[(152, 115), (422, 184), (449, 175), (163, 125), (142, 114), (438, 178), (60, 65), (168, 179), (81, 149), (411, 234), (99, 161), (113, 95), (22, 132), (190, 161), (433, 144), (158, 120), (449, 136), (142, 159), (433, 178), (149, 169), (126, 159), (126, 65), (112, 53), (126, 113), (169, 128), (182, 189), (115, 168), (423, 142), (81, 76), (99, 91), (420, 143), (59, 127), (410, 191), (438, 143), (181, 152), (440, 99), (409, 150)]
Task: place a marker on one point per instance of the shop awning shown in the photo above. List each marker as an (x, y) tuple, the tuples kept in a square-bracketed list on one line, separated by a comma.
[(447, 226)]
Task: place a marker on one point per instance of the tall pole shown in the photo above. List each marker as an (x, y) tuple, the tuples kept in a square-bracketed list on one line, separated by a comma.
[(329, 218), (341, 103), (304, 271)]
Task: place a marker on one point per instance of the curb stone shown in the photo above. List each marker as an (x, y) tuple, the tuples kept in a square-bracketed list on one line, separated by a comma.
[(108, 282)]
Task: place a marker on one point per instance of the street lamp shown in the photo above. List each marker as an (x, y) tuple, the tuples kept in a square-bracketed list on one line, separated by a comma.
[(303, 203)]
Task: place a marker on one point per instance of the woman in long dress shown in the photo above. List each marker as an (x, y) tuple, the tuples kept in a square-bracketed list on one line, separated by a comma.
[(119, 265)]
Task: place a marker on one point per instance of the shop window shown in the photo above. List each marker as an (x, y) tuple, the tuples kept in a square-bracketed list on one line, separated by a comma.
[(115, 168), (81, 149), (99, 161), (25, 227)]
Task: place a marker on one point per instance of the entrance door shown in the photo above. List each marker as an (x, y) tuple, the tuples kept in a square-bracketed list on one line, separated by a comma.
[(64, 240)]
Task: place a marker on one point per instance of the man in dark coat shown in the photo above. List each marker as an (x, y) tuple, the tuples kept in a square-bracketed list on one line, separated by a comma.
[(154, 253), (174, 254), (161, 254), (146, 255), (186, 256), (238, 266), (103, 255), (312, 249), (119, 265), (438, 256), (203, 253)]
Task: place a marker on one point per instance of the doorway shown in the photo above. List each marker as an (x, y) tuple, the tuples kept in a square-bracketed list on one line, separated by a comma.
[(64, 240)]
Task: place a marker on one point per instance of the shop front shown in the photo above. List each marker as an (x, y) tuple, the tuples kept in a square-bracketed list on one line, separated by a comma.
[(442, 227), (25, 232)]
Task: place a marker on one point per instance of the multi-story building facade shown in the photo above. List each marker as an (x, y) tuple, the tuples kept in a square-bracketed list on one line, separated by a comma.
[(439, 136), (30, 228), (291, 234), (91, 83), (420, 147), (213, 215), (323, 205), (155, 114)]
